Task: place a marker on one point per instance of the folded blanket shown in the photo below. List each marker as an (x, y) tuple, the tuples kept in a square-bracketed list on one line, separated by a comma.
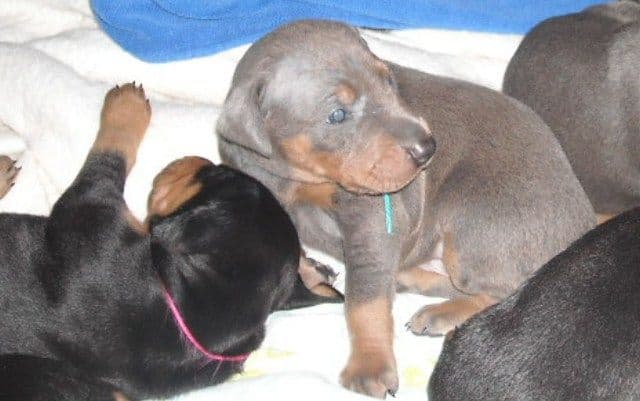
[(165, 30)]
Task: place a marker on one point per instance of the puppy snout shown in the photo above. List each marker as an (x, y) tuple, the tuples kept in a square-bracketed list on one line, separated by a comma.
[(422, 151)]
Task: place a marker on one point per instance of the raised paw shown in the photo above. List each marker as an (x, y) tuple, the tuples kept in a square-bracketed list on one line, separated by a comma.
[(126, 107), (125, 117), (439, 319), (318, 277), (8, 173), (371, 374)]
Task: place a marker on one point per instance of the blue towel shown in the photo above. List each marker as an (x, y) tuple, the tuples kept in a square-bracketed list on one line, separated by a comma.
[(166, 30)]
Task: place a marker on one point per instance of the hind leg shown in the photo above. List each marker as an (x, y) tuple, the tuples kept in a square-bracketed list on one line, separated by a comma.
[(465, 287), (8, 174), (30, 378)]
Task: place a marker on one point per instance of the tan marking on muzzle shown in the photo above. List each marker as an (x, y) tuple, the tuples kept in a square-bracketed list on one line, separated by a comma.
[(379, 166), (175, 185)]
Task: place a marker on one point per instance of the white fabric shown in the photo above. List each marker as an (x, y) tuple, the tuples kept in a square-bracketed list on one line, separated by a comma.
[(56, 66)]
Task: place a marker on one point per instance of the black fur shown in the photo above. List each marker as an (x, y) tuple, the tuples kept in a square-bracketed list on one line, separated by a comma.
[(570, 333), (82, 307)]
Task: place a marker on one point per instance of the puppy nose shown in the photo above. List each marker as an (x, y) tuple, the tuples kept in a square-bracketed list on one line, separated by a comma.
[(422, 151)]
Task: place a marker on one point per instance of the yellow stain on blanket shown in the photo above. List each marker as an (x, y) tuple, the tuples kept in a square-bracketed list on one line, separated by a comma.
[(414, 376), (258, 363)]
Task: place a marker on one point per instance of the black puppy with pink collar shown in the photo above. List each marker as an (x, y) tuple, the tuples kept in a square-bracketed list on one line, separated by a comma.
[(97, 306)]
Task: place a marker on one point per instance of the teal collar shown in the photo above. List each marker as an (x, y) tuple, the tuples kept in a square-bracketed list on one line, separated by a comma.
[(388, 213)]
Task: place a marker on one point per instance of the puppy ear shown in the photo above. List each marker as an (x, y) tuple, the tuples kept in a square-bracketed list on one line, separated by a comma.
[(242, 121)]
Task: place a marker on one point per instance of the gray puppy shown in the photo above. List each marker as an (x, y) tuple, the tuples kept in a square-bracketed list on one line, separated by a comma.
[(579, 72), (331, 128)]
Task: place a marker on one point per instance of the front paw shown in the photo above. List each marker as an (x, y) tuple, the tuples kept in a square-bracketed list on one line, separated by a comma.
[(127, 109), (371, 374), (318, 278), (8, 174)]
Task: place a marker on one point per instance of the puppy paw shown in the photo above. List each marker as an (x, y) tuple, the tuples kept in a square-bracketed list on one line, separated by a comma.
[(429, 321), (8, 174), (126, 107), (372, 375), (318, 277), (314, 272), (439, 319), (125, 117)]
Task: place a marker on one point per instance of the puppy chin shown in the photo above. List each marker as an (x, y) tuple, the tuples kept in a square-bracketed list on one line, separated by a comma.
[(379, 186), (381, 177)]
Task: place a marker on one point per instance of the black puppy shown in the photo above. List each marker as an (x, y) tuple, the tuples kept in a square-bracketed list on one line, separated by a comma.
[(97, 306), (570, 333)]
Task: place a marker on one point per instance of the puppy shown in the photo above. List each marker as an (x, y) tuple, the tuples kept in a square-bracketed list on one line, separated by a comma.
[(579, 73), (347, 142), (568, 334), (97, 306)]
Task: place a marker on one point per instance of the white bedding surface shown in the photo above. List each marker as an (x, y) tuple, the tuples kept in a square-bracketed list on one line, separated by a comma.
[(55, 67)]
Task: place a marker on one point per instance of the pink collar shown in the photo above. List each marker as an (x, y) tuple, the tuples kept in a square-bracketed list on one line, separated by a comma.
[(177, 316)]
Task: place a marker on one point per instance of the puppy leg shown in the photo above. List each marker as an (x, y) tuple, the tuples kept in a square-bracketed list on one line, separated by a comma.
[(439, 319), (427, 283), (91, 217), (30, 378), (371, 258), (8, 174), (124, 119)]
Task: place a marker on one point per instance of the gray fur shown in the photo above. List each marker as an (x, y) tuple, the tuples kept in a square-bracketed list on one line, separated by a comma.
[(499, 181), (579, 72)]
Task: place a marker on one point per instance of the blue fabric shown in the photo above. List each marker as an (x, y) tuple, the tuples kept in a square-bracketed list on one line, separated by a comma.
[(166, 30)]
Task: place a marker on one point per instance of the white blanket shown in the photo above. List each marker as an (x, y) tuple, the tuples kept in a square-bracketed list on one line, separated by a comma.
[(55, 67)]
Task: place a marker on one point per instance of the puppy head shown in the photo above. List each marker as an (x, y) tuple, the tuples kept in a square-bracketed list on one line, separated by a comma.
[(313, 95), (224, 248)]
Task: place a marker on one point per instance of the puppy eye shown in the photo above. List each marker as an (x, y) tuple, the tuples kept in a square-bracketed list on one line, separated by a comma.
[(337, 116)]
